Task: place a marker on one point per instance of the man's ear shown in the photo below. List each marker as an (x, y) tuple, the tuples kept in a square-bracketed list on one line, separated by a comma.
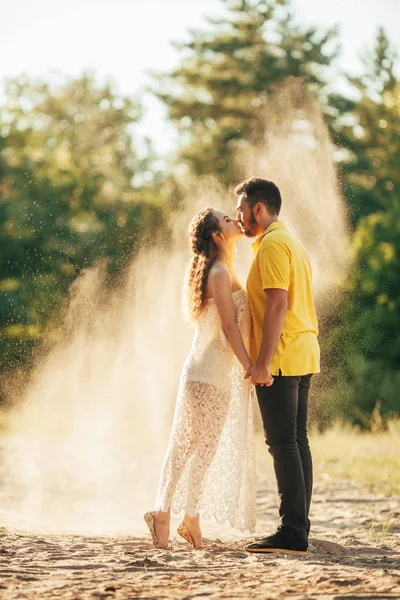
[(258, 208)]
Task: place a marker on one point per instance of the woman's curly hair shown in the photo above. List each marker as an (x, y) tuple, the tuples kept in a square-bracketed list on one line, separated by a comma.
[(204, 250)]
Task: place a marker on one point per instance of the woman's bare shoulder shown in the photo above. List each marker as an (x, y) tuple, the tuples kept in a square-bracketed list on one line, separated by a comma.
[(219, 278), (219, 273)]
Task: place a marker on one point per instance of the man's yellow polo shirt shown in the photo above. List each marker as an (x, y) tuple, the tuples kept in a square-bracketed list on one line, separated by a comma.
[(281, 262)]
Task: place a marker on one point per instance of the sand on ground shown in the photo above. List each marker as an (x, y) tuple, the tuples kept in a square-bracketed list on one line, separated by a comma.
[(354, 554)]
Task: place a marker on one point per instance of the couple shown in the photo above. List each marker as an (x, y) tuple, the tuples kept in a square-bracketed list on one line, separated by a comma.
[(267, 337)]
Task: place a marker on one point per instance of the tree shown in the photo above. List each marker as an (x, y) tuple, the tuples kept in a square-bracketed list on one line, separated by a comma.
[(365, 348), (369, 131), (227, 74), (66, 199)]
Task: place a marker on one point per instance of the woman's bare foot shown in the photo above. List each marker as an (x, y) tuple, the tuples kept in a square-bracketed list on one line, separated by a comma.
[(193, 525), (161, 527)]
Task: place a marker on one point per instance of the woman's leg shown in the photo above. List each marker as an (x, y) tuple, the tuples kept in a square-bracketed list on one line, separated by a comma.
[(177, 456), (193, 526), (178, 453), (212, 409), (183, 441), (161, 526)]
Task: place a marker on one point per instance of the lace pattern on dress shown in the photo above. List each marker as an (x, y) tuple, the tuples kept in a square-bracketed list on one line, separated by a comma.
[(210, 462)]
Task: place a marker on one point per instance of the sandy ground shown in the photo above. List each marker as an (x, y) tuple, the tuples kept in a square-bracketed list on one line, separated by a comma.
[(354, 554)]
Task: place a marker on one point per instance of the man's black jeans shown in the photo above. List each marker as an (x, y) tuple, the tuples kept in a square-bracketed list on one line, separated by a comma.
[(284, 407)]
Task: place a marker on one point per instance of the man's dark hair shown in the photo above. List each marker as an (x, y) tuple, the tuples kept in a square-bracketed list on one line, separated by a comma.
[(257, 189)]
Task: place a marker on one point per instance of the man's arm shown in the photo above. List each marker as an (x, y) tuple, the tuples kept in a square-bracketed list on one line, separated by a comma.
[(274, 263), (276, 303)]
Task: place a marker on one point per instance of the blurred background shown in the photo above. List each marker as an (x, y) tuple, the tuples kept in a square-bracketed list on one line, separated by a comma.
[(111, 114)]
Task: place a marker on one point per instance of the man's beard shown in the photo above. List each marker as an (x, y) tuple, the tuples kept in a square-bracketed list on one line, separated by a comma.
[(252, 230)]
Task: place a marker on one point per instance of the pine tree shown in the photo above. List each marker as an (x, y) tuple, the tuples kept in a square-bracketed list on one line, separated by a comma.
[(370, 132), (365, 348), (227, 74)]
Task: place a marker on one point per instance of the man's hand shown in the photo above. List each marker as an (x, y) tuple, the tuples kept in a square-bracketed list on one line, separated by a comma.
[(260, 375)]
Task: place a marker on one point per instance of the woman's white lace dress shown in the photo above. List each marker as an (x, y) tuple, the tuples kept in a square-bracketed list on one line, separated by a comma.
[(210, 464)]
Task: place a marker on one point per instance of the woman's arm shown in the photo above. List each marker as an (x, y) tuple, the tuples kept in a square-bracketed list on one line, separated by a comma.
[(220, 285)]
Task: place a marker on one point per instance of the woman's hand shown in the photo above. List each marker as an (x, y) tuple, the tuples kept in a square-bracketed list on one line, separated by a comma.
[(248, 372), (260, 376)]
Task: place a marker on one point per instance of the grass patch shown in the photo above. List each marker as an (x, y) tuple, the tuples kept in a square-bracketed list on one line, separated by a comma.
[(345, 452)]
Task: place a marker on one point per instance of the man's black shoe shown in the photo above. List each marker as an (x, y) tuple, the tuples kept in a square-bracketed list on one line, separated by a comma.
[(279, 543)]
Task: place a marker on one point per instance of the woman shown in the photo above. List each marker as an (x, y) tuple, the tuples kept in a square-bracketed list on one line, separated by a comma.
[(209, 466)]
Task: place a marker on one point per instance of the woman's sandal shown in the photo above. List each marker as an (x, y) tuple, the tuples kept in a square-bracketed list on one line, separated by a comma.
[(149, 518), (185, 533)]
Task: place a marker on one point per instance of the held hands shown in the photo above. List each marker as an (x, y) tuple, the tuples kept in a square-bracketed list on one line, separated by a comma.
[(259, 376)]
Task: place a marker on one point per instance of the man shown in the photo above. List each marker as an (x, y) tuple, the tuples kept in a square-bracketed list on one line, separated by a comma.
[(285, 354)]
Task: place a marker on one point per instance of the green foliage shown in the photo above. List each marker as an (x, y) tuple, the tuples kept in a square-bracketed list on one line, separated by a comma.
[(364, 349), (66, 199), (370, 132), (227, 74)]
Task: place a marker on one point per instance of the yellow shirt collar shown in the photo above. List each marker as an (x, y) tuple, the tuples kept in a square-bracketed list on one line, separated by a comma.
[(275, 225)]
